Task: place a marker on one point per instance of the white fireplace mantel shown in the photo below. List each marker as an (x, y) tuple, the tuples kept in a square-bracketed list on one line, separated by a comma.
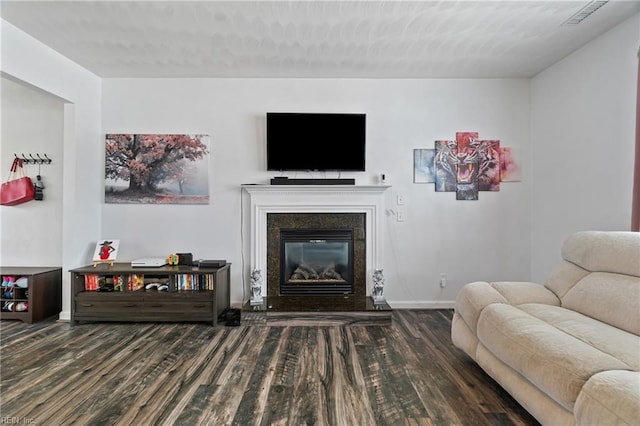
[(265, 199)]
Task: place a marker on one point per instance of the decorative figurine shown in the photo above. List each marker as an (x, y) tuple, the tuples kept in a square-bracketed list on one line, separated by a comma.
[(378, 287), (256, 287)]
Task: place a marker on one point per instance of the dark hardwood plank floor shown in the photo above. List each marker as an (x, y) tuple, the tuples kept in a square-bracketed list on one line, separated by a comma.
[(194, 374)]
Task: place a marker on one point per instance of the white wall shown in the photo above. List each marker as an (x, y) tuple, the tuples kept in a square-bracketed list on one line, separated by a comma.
[(487, 239), (25, 59), (573, 124), (32, 230), (583, 130)]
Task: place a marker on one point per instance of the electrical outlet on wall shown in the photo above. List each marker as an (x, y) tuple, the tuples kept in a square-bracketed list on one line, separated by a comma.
[(443, 280)]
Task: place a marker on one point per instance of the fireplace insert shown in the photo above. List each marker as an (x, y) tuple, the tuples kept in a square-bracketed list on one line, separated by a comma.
[(316, 261)]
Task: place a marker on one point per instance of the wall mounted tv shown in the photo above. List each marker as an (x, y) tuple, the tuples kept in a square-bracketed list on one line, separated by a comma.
[(316, 141)]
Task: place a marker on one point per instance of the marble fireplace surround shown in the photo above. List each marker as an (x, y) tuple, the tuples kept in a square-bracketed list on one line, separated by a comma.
[(265, 199), (276, 222)]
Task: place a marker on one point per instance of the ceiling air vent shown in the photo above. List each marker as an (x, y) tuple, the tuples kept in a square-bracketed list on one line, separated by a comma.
[(583, 13)]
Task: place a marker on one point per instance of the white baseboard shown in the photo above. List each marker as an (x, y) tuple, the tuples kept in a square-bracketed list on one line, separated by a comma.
[(65, 316), (425, 304)]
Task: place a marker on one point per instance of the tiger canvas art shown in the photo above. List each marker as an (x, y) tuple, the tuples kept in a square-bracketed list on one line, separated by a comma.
[(466, 165)]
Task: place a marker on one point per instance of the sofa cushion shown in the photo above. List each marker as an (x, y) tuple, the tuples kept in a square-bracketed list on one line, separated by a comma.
[(564, 276), (519, 292), (609, 297), (600, 251), (555, 362), (608, 339), (610, 398)]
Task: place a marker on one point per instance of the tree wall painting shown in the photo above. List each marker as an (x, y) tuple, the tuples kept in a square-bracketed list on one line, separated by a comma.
[(157, 169)]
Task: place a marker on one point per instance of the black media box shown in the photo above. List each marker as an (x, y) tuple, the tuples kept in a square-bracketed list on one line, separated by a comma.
[(185, 259), (210, 263), (287, 181)]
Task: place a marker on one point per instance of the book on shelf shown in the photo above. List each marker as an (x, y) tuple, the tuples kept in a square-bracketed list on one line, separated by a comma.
[(91, 282), (194, 282), (117, 283), (97, 282), (135, 282)]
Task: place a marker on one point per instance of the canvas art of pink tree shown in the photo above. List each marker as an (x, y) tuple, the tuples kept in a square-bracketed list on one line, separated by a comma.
[(147, 161)]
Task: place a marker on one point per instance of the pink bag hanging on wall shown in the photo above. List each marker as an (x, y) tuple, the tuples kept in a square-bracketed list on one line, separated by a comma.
[(18, 188)]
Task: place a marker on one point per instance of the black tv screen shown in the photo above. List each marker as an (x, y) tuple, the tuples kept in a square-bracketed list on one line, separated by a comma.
[(316, 141)]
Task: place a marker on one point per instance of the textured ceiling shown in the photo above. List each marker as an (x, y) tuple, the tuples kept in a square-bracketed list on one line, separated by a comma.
[(324, 39)]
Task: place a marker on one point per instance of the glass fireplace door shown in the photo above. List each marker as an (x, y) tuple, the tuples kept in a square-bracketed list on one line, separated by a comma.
[(316, 262)]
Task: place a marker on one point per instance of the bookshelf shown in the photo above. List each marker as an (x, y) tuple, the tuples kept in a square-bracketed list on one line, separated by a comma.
[(30, 294), (168, 293)]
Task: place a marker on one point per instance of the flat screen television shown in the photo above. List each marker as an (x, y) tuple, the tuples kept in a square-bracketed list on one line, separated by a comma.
[(316, 141)]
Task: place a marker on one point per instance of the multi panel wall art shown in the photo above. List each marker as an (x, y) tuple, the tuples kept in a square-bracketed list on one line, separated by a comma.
[(157, 169), (466, 165)]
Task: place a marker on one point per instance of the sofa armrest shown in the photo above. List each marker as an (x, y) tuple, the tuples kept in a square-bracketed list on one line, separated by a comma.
[(609, 398), (475, 296), (462, 337), (472, 299)]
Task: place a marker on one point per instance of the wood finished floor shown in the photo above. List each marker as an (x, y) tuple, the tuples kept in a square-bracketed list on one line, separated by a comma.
[(194, 374)]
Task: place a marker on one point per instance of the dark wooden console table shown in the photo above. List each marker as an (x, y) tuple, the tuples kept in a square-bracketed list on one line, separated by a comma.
[(125, 293)]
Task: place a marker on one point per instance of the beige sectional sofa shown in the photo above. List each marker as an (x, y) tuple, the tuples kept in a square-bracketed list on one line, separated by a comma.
[(569, 350)]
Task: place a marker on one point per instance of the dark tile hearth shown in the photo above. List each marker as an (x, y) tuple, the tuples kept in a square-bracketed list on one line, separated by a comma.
[(317, 310), (322, 304)]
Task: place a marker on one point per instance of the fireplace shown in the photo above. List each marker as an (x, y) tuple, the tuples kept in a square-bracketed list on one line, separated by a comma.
[(316, 254), (342, 215), (316, 262), (268, 208)]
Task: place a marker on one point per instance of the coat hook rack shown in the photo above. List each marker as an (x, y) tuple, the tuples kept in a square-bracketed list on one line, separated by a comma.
[(33, 160)]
